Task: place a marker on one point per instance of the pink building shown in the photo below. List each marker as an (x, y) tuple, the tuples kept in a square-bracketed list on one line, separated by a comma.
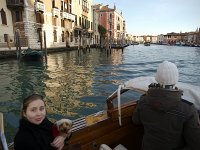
[(113, 21)]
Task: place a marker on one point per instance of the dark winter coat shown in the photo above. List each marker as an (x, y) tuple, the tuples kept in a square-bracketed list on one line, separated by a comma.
[(169, 122), (33, 137)]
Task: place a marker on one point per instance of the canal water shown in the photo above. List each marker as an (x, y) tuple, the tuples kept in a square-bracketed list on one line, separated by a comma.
[(77, 83)]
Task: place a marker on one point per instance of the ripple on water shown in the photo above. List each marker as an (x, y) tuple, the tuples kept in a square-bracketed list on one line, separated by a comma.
[(77, 83)]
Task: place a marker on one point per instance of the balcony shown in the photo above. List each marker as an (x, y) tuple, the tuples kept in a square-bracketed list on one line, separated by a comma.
[(39, 7), (55, 12), (13, 4), (64, 15), (71, 17), (68, 16)]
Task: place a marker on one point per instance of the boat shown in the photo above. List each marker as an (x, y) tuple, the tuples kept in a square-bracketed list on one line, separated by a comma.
[(3, 143), (113, 127), (32, 55), (136, 43), (147, 43)]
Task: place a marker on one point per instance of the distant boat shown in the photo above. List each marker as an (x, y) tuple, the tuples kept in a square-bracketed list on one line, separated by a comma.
[(136, 43), (147, 43), (32, 55)]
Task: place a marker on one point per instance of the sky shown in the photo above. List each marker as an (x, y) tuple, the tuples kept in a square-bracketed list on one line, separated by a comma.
[(154, 17)]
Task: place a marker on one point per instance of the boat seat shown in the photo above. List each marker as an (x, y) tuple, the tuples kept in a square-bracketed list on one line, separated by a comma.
[(106, 147)]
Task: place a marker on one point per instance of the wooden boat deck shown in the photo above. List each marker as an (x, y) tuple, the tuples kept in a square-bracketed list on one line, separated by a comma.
[(103, 128)]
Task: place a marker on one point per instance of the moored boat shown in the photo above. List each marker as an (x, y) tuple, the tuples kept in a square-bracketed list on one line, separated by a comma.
[(147, 43), (136, 43), (32, 55)]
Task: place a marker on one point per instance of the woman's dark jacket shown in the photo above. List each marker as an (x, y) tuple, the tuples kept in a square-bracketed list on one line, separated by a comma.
[(169, 122), (33, 137)]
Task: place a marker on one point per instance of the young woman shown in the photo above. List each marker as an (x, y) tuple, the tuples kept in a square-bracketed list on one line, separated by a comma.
[(35, 129)]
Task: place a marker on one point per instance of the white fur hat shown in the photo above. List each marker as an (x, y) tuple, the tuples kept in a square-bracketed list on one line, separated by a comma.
[(167, 73)]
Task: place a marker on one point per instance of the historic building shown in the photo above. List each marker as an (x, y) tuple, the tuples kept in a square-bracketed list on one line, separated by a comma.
[(113, 22), (66, 23), (33, 17), (83, 29), (6, 26), (96, 36)]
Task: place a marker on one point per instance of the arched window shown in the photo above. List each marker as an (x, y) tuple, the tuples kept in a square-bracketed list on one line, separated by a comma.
[(39, 33), (53, 3), (118, 27), (3, 17), (63, 36), (39, 17), (71, 36), (67, 35)]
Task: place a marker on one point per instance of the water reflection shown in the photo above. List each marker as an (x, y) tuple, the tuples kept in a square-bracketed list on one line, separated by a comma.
[(71, 78), (76, 83)]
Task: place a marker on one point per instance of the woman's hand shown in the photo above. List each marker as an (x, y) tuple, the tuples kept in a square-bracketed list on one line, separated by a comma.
[(58, 142)]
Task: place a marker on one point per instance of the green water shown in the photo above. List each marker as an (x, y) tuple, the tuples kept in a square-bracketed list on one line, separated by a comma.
[(77, 83)]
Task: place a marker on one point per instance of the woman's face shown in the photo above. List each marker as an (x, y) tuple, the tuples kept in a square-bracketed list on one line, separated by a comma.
[(35, 112)]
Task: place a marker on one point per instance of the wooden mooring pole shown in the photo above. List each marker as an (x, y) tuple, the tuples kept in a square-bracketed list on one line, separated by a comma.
[(45, 46), (41, 40), (17, 43)]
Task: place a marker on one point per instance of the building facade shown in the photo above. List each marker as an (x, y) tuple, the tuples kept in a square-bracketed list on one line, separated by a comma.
[(66, 23), (96, 36), (6, 26), (113, 22), (83, 28)]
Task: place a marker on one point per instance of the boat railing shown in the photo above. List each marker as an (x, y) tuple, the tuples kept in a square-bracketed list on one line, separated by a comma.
[(78, 124)]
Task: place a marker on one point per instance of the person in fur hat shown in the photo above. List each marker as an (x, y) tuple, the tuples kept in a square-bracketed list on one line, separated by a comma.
[(169, 121)]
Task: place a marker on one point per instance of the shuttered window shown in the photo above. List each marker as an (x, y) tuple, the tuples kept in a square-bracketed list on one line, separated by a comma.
[(5, 37), (55, 35), (39, 17)]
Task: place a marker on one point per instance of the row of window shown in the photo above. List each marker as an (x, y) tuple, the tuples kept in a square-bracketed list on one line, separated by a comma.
[(17, 16), (66, 5)]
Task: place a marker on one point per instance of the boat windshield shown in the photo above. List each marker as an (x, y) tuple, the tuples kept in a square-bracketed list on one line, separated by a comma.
[(128, 96)]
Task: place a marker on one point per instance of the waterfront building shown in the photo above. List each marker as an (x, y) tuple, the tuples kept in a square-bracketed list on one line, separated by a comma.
[(146, 38), (83, 29), (160, 39), (67, 23), (96, 36), (193, 38), (129, 39), (113, 22), (154, 39), (139, 39), (32, 17), (173, 38), (6, 26)]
